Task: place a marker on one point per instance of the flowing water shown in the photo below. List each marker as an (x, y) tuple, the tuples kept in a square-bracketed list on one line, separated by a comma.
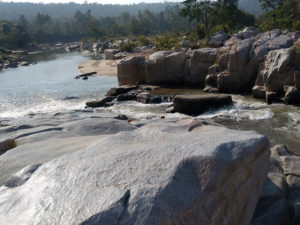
[(49, 87)]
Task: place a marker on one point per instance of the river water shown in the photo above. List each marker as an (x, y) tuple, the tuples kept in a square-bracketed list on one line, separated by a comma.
[(48, 86)]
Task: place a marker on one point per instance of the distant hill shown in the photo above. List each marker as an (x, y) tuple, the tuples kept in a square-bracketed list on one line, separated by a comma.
[(12, 11)]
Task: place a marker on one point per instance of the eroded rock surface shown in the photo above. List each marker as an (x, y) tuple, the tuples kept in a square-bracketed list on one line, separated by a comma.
[(280, 198), (168, 172)]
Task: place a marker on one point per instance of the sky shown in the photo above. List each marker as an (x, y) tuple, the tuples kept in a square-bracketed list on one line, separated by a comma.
[(92, 1)]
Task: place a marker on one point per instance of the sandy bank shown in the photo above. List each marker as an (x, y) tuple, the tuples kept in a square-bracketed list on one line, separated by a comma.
[(102, 67)]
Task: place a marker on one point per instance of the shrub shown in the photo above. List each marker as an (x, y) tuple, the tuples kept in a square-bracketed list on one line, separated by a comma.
[(296, 25), (128, 46), (297, 45), (166, 41), (143, 40)]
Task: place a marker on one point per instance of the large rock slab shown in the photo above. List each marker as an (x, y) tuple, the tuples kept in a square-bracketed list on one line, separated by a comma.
[(199, 63), (278, 70), (163, 173), (41, 152), (166, 68), (280, 198), (131, 71), (198, 104)]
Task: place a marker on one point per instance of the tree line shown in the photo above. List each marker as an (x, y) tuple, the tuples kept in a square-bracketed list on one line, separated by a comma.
[(197, 19)]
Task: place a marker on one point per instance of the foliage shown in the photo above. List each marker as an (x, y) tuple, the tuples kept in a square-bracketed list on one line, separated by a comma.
[(215, 15), (128, 46), (82, 25), (167, 41), (285, 15), (143, 40), (297, 45)]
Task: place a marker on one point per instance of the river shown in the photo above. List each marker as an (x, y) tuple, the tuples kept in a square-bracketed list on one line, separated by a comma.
[(48, 86)]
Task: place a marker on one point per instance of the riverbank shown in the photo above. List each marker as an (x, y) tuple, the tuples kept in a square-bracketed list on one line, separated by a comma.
[(101, 67)]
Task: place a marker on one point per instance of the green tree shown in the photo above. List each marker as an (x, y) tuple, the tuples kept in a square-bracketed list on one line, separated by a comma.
[(203, 12)]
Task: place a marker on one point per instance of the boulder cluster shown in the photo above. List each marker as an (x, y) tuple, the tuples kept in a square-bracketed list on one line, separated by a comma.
[(265, 63)]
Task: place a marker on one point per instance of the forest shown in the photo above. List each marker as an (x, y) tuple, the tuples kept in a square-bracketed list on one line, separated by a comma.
[(40, 23)]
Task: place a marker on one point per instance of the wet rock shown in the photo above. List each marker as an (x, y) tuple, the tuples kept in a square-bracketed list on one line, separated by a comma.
[(170, 109), (100, 103), (292, 96), (218, 39), (23, 64), (147, 98), (198, 104), (297, 79), (272, 97), (131, 71), (259, 92), (121, 90), (166, 68), (132, 178)]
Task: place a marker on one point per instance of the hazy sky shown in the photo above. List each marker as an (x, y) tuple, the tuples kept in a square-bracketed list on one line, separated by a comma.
[(92, 1)]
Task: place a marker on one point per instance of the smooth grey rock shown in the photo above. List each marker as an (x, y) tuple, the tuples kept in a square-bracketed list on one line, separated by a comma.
[(159, 55), (96, 126), (198, 104), (248, 32), (40, 152), (280, 42), (218, 39), (163, 173)]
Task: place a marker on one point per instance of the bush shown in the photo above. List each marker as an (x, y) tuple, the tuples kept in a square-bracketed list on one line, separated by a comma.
[(297, 45), (143, 40), (128, 46), (296, 25), (167, 41)]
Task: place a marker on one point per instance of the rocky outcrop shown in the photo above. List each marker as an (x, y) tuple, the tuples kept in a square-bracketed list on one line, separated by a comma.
[(51, 136), (218, 39), (198, 104), (166, 67), (198, 65), (279, 200), (167, 172), (280, 69), (237, 66), (131, 71)]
